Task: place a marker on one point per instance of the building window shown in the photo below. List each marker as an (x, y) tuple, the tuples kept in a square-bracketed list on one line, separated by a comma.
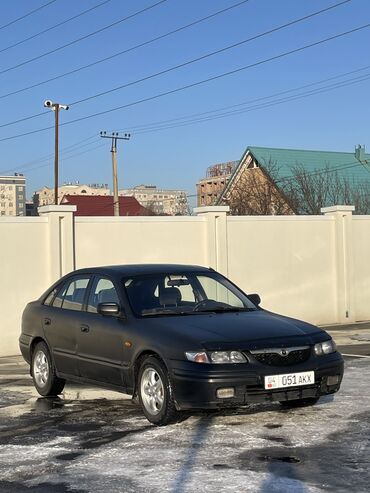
[(10, 204)]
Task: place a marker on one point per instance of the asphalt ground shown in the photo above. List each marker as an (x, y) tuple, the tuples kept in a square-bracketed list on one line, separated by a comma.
[(351, 339), (93, 440)]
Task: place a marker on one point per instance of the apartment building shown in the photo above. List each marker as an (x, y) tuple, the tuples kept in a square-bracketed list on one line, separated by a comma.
[(210, 187), (45, 196), (159, 201), (13, 195)]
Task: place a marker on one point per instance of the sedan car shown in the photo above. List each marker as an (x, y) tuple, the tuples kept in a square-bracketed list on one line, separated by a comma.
[(175, 337)]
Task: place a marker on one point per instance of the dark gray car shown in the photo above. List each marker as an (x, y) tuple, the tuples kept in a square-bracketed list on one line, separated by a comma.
[(178, 337)]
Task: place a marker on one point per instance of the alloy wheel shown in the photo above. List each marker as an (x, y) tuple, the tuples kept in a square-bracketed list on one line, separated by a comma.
[(41, 368), (152, 391)]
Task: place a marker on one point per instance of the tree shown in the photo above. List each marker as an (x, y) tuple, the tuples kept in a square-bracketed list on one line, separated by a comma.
[(309, 191), (261, 191)]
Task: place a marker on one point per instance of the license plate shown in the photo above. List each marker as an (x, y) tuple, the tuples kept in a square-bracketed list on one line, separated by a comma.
[(289, 380)]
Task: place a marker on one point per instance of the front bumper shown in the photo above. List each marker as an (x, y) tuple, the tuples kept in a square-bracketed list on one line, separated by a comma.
[(195, 385)]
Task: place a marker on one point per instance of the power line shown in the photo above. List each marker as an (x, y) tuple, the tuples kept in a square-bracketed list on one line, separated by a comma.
[(140, 45), (321, 81), (55, 26), (207, 55), (66, 158), (163, 125), (253, 108), (194, 84), (189, 62), (27, 15), (86, 36), (47, 157)]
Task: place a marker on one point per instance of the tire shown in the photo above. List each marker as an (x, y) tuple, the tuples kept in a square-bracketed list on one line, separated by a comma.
[(43, 372), (155, 392), (309, 401)]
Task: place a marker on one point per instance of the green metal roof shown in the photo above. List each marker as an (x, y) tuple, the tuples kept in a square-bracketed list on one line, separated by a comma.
[(345, 163)]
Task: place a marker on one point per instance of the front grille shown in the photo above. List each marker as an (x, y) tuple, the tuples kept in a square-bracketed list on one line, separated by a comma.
[(275, 359)]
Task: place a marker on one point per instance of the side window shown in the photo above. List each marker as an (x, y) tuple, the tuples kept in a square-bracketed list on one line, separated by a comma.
[(58, 300), (72, 294), (48, 300), (75, 294), (103, 291)]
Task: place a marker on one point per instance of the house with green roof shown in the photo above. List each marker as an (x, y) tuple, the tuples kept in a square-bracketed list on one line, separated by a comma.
[(352, 168)]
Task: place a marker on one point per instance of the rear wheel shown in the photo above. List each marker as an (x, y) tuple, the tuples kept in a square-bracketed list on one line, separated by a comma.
[(155, 392), (309, 401), (43, 372)]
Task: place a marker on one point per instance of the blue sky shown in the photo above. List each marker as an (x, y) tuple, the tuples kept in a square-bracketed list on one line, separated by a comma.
[(177, 157)]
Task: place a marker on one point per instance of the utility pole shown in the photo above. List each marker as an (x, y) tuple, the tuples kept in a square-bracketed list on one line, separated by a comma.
[(56, 107), (114, 137)]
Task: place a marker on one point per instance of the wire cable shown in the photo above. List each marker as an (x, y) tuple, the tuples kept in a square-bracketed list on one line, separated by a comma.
[(127, 50), (207, 55), (168, 124), (181, 65), (188, 86), (86, 36), (49, 156), (321, 81), (55, 26), (27, 15), (194, 84), (252, 108)]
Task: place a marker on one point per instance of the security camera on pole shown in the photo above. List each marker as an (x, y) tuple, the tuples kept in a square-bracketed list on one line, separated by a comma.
[(56, 107), (114, 136)]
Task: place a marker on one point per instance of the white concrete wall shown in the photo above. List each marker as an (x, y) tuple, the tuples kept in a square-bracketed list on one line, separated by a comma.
[(311, 267), (288, 260), (24, 273), (361, 271), (131, 240)]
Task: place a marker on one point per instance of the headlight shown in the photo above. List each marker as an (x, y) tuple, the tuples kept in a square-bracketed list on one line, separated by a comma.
[(227, 357), (197, 357), (325, 347), (216, 357)]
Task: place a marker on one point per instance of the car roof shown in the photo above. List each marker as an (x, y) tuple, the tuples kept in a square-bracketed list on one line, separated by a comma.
[(141, 269)]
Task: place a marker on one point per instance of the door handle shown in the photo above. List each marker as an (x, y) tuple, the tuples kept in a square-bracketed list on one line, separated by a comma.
[(85, 328), (47, 321)]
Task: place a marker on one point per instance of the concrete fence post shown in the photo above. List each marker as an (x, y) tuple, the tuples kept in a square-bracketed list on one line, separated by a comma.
[(216, 217), (61, 238), (344, 260)]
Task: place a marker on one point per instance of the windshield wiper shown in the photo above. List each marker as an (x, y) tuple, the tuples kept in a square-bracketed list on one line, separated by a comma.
[(169, 314), (220, 309)]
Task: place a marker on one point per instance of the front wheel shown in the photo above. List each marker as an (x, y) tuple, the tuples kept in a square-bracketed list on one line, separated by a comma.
[(43, 372), (309, 401), (155, 392)]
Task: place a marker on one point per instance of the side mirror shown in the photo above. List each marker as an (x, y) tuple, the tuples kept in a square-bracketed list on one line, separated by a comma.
[(255, 298), (109, 308)]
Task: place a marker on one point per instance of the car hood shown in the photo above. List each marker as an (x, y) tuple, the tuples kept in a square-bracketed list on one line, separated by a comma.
[(248, 330)]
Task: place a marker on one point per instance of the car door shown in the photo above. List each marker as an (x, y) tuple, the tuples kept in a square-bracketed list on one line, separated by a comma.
[(101, 337), (62, 322)]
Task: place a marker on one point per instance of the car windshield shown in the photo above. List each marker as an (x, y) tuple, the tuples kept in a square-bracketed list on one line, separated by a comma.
[(188, 293)]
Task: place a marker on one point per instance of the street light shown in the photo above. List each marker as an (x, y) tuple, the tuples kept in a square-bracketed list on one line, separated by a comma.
[(56, 107)]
